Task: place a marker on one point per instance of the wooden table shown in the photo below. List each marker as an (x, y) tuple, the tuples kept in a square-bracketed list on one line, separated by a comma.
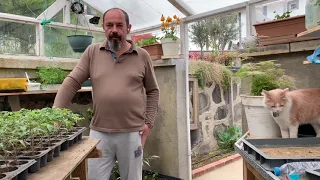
[(71, 164)]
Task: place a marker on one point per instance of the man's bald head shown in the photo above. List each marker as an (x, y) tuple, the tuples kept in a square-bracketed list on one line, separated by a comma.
[(124, 13)]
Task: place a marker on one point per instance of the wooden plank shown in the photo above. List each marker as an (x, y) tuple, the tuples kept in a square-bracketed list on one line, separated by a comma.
[(247, 174), (254, 172), (41, 92), (265, 41), (14, 103), (314, 32), (61, 168)]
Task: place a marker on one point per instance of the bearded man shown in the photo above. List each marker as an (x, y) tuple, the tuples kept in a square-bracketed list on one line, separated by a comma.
[(122, 76)]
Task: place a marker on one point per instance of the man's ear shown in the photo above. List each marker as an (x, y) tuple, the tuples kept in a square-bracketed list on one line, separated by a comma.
[(129, 29)]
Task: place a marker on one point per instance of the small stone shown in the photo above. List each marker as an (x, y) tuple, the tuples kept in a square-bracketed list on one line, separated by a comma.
[(216, 94), (204, 102), (221, 113), (235, 91)]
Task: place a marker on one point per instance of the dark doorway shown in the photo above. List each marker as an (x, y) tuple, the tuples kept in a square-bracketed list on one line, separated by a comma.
[(306, 130)]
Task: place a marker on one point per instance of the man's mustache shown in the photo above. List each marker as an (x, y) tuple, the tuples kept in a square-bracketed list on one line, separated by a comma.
[(114, 36)]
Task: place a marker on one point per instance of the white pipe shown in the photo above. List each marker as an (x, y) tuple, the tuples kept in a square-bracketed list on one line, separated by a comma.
[(186, 57)]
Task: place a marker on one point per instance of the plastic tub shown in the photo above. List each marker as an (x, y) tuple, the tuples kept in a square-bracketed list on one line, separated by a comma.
[(13, 84)]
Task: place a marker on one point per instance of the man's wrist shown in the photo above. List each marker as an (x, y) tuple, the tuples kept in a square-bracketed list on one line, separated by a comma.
[(149, 125)]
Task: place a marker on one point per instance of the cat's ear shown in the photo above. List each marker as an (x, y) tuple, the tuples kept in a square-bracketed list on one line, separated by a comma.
[(264, 93), (286, 90)]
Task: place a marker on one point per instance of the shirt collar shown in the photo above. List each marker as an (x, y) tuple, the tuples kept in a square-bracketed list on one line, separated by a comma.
[(104, 46)]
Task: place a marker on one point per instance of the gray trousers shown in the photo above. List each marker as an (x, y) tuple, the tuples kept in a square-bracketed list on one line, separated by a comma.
[(125, 148)]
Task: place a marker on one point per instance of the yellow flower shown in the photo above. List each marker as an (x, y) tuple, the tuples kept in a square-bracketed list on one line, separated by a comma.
[(178, 21), (169, 19), (172, 28), (162, 28), (162, 18), (175, 17), (166, 24)]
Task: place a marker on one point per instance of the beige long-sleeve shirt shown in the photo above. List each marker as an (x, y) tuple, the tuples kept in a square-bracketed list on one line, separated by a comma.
[(119, 87)]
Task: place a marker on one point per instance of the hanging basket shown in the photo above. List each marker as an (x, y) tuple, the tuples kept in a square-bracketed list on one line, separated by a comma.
[(79, 43)]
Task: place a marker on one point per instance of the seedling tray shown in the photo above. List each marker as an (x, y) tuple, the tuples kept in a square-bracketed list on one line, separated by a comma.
[(19, 172), (313, 174), (72, 137), (44, 156), (252, 147)]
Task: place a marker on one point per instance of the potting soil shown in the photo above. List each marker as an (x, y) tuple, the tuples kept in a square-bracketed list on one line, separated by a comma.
[(291, 152)]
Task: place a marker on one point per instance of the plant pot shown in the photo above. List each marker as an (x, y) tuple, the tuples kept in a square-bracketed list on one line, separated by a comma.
[(87, 83), (79, 43), (170, 47), (281, 27), (260, 122), (155, 51)]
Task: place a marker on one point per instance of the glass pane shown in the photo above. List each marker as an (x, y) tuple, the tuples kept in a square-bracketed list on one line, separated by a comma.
[(16, 38), (268, 11), (57, 45), (29, 8), (89, 13), (200, 6), (142, 13), (218, 33)]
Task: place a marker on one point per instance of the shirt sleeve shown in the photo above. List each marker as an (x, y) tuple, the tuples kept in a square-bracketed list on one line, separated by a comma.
[(72, 83), (152, 92)]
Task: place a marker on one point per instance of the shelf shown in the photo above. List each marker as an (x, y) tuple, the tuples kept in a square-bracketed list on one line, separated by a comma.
[(314, 32), (83, 89)]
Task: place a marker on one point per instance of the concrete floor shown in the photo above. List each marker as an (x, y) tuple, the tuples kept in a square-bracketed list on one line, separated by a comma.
[(232, 171)]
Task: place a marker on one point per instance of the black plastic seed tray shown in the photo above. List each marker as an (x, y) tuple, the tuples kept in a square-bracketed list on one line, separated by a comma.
[(252, 147), (72, 137), (16, 171), (45, 154), (313, 174)]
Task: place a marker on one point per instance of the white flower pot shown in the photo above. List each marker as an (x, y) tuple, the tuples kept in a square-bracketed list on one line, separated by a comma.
[(170, 47), (48, 87), (260, 122)]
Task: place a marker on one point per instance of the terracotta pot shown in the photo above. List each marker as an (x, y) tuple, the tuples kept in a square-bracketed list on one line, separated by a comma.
[(281, 27), (155, 51)]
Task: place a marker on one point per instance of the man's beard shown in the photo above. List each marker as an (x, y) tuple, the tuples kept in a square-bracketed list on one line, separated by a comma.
[(115, 44)]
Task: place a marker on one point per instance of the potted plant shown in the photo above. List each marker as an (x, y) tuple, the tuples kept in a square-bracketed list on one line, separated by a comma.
[(265, 75), (170, 42), (152, 46), (281, 26), (79, 43), (209, 73), (51, 78)]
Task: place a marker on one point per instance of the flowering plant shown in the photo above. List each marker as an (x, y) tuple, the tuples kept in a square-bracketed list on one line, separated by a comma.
[(169, 26)]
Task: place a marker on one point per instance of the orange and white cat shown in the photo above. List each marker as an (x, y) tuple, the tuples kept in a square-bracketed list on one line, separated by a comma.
[(293, 108)]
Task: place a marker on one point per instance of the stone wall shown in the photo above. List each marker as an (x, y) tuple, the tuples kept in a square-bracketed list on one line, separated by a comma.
[(215, 113)]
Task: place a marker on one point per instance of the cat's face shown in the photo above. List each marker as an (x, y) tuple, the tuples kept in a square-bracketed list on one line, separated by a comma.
[(275, 100)]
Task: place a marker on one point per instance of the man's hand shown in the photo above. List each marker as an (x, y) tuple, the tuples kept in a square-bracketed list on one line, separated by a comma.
[(144, 134)]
